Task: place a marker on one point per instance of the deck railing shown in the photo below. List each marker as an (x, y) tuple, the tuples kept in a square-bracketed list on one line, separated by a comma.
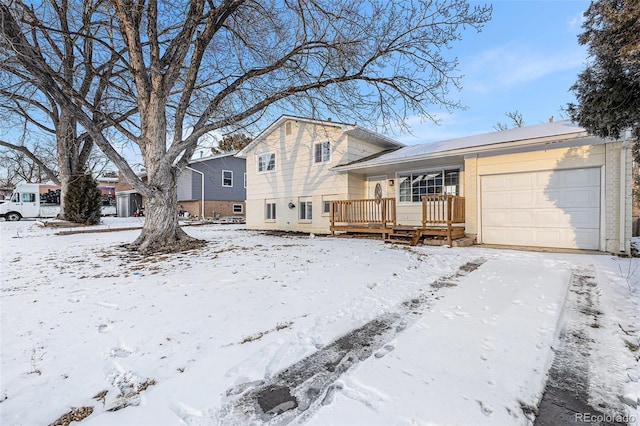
[(442, 210), (379, 211)]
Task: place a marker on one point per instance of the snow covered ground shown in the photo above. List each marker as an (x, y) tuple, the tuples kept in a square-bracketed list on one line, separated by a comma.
[(186, 338)]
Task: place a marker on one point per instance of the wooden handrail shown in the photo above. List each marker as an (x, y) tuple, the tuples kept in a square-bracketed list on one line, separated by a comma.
[(442, 210), (372, 211)]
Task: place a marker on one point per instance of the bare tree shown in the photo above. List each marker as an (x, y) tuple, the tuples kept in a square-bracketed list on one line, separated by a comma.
[(36, 164), (516, 121), (65, 36), (201, 66)]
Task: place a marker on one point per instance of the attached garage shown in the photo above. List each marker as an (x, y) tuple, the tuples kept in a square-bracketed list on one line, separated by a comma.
[(550, 208)]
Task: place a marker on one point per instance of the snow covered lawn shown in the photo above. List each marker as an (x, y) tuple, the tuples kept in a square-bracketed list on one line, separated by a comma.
[(183, 339)]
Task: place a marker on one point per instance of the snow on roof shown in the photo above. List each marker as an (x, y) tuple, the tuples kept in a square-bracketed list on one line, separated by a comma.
[(541, 131)]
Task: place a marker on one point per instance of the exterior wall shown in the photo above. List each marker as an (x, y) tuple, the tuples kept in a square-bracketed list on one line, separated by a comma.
[(613, 199), (212, 208), (219, 199), (298, 178), (212, 169), (607, 156)]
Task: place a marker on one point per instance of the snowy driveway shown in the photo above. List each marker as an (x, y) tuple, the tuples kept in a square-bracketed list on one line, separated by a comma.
[(177, 339)]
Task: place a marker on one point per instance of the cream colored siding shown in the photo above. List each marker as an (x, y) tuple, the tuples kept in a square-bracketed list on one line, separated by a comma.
[(297, 175)]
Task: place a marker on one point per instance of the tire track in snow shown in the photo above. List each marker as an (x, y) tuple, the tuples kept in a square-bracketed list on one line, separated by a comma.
[(299, 390), (566, 397)]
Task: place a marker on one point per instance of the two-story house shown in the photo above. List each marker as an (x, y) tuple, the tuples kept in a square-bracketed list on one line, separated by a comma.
[(212, 187), (547, 185), (289, 168)]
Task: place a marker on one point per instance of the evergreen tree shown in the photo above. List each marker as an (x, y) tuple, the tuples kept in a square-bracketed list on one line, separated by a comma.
[(608, 90), (82, 203), (230, 143)]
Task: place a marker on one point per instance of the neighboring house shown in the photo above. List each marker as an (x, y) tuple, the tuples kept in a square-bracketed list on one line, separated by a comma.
[(548, 185), (219, 180), (129, 202), (290, 176)]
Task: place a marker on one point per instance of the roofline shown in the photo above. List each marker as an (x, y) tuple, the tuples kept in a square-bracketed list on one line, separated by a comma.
[(284, 117), (346, 128), (519, 143), (213, 157)]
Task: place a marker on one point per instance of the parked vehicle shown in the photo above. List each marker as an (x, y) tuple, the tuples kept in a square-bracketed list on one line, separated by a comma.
[(36, 200), (31, 200)]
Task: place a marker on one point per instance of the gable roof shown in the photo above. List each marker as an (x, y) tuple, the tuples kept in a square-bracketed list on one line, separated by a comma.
[(540, 134), (213, 157), (349, 129)]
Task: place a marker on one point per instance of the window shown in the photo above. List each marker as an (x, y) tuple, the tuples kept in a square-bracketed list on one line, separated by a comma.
[(15, 197), (322, 152), (237, 209), (28, 198), (270, 211), (306, 210), (326, 207), (227, 178), (266, 162), (412, 186)]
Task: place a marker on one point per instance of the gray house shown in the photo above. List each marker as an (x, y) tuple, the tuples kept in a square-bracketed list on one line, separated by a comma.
[(214, 187)]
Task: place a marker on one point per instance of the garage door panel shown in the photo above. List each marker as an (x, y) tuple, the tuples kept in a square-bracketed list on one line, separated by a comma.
[(548, 208)]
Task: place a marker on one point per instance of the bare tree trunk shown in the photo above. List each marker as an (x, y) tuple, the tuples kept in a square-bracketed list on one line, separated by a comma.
[(161, 231)]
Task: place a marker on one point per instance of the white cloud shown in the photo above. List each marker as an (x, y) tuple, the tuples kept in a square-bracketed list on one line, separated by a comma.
[(512, 64)]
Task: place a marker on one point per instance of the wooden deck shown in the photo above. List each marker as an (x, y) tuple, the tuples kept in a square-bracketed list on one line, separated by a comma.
[(442, 217)]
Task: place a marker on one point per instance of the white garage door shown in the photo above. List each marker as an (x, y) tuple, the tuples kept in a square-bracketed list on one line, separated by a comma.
[(554, 208)]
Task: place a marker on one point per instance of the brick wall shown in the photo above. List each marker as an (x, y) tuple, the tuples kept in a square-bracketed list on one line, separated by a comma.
[(223, 208)]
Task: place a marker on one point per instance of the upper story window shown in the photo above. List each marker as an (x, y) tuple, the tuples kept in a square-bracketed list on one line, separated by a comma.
[(412, 186), (322, 152), (227, 178), (266, 162)]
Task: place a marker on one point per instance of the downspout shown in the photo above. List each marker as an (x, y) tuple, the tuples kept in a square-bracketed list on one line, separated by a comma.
[(202, 190), (623, 189)]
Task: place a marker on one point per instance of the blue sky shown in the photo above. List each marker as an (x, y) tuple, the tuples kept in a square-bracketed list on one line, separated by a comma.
[(525, 59)]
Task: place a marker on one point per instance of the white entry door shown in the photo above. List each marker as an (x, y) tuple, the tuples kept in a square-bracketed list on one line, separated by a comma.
[(377, 187), (553, 208)]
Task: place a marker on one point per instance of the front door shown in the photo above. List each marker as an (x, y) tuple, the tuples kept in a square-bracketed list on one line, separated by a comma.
[(377, 187)]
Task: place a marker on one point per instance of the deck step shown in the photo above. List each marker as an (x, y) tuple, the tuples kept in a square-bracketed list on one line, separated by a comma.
[(392, 241)]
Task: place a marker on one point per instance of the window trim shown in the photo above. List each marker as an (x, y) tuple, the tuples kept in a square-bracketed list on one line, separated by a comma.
[(443, 170), (328, 204), (322, 152), (266, 170), (231, 178), (233, 208), (268, 211), (305, 205)]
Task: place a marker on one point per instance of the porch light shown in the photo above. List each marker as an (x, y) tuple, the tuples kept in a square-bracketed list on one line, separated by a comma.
[(291, 205), (391, 182)]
